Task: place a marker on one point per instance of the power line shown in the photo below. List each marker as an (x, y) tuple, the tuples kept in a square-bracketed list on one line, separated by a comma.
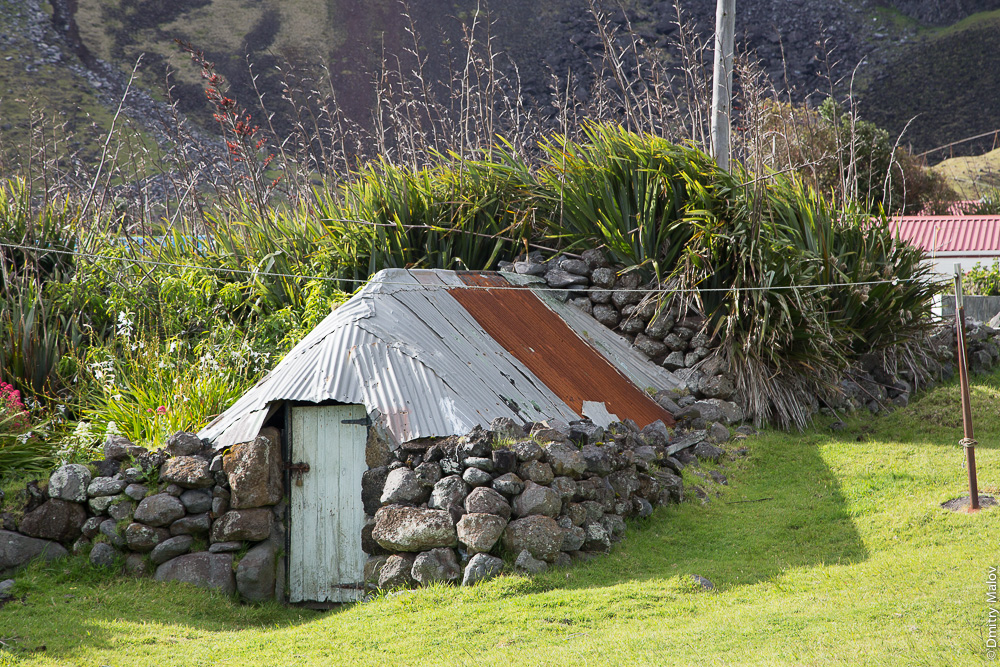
[(220, 269)]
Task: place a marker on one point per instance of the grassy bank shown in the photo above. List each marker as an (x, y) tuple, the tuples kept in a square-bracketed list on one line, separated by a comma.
[(825, 548)]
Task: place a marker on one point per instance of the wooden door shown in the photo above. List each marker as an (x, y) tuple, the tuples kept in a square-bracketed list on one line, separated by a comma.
[(325, 561)]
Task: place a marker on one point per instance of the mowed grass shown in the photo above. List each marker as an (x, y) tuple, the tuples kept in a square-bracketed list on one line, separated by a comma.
[(825, 548)]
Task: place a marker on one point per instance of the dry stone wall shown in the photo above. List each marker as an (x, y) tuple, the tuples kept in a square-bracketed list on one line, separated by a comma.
[(182, 513), (521, 497)]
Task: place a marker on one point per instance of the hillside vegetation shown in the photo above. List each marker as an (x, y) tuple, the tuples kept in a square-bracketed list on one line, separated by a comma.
[(824, 549)]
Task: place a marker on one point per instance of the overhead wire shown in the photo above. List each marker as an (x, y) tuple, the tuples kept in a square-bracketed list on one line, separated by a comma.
[(534, 288)]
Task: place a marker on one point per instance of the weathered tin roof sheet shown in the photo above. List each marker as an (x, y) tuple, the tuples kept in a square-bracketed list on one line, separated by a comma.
[(951, 234), (409, 351)]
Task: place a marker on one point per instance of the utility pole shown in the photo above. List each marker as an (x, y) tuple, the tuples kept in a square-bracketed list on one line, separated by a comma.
[(968, 442), (722, 80)]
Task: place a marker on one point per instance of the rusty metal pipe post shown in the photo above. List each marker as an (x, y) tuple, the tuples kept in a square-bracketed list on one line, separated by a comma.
[(968, 442)]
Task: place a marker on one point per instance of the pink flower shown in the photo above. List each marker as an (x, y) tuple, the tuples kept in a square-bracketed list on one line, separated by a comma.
[(162, 410)]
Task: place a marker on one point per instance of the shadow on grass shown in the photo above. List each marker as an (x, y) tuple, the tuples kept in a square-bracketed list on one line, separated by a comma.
[(784, 509)]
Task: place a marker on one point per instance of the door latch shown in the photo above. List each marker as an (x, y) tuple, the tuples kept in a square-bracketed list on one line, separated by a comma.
[(364, 421), (297, 469)]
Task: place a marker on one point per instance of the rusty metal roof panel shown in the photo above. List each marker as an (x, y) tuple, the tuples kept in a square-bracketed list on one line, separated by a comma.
[(540, 337)]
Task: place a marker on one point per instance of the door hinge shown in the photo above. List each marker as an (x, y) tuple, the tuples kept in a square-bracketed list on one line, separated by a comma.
[(364, 421)]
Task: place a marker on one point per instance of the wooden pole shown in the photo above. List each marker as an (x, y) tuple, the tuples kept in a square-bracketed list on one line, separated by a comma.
[(722, 81), (968, 442)]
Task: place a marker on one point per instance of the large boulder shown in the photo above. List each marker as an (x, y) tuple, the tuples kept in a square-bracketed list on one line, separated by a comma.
[(69, 482), (624, 482), (372, 484), (171, 548), (479, 532), (480, 568), (55, 519), (160, 509), (401, 528), (254, 471), (143, 538), (119, 448), (435, 565), (103, 555), (448, 492), (565, 459), (189, 472), (192, 524), (202, 569), (183, 444), (105, 486), (540, 535), (397, 572), (252, 525), (196, 501), (487, 501), (255, 575), (537, 499), (403, 486), (17, 550)]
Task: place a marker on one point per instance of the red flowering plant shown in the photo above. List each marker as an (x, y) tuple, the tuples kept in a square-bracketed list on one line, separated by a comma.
[(13, 413), (246, 144)]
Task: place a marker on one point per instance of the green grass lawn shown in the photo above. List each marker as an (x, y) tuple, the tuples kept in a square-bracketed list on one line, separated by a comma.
[(843, 556)]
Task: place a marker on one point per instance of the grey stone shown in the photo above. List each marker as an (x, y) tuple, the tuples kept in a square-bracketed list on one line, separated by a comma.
[(674, 361), (540, 535), (119, 448), (401, 528), (183, 444), (527, 563), (703, 582), (397, 572), (561, 279), (372, 485), (219, 506), (564, 487), (5, 588), (69, 482), (133, 476), (187, 472), (599, 296), (594, 258), (655, 434), (719, 433), (650, 347), (573, 538), (171, 548), (537, 499), (121, 509), (624, 482), (475, 443), (660, 325), (476, 477), (136, 491), (435, 565), (537, 472), (403, 486), (193, 524), (565, 459), (255, 574), (91, 527), (693, 357), (598, 459), (625, 290), (251, 525), (141, 537), (575, 266), (109, 529), (160, 509), (606, 314), (707, 452), (100, 504), (529, 268), (485, 464), (504, 461), (603, 277), (717, 386), (641, 507), (596, 538), (671, 487), (576, 513), (449, 492), (527, 450), (103, 555), (55, 519), (487, 501), (583, 303), (196, 501), (105, 486), (428, 474), (675, 343), (505, 427), (479, 532), (480, 568), (551, 430), (373, 568), (225, 547), (254, 471), (202, 569), (613, 524), (17, 550), (138, 565), (586, 432), (508, 484)]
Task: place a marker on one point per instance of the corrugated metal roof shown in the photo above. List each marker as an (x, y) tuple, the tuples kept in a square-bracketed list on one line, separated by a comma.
[(413, 355), (950, 234)]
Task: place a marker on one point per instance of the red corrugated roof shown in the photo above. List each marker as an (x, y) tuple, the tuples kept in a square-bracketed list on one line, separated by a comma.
[(950, 233)]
